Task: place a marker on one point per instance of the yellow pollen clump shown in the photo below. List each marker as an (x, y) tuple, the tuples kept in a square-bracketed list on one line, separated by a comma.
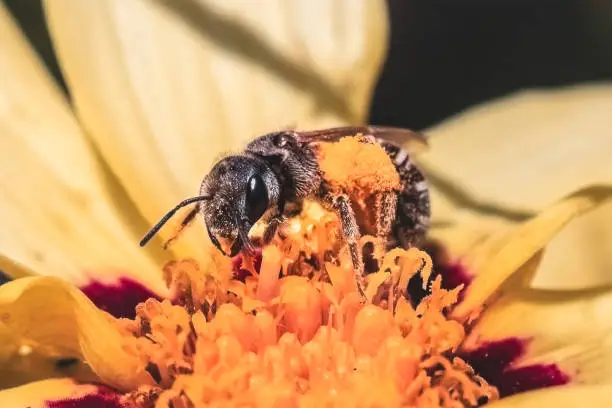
[(353, 165), (302, 338)]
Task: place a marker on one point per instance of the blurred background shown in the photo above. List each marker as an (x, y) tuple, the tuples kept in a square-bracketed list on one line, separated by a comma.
[(447, 55)]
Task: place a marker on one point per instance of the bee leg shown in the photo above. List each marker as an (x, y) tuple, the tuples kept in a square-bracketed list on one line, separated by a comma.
[(350, 231), (385, 209), (276, 221), (186, 221)]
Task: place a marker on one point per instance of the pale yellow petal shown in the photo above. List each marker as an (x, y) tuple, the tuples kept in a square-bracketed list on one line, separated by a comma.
[(460, 239), (573, 330), (560, 397), (36, 394), (56, 210), (55, 317), (528, 149), (20, 363), (164, 88), (501, 255), (509, 158), (584, 245)]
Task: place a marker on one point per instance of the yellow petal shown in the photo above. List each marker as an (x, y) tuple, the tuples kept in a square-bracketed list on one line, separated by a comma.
[(35, 395), (498, 257), (585, 245), (509, 158), (57, 318), (460, 239), (572, 330), (560, 397), (57, 214), (164, 87), (528, 149), (20, 364)]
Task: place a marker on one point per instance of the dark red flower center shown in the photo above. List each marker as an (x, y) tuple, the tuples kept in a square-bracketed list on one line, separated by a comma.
[(494, 362), (103, 398), (120, 298)]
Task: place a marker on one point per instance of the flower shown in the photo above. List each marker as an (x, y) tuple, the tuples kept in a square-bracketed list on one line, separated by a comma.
[(91, 218)]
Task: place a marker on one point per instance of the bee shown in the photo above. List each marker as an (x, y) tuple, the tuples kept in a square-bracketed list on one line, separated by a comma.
[(279, 170)]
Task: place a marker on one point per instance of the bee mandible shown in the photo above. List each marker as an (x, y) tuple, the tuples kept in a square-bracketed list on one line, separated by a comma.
[(278, 170)]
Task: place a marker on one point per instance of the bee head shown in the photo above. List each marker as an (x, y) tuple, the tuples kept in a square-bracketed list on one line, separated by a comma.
[(242, 188)]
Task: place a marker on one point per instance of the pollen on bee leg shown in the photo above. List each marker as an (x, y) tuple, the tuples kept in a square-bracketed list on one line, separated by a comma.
[(353, 165)]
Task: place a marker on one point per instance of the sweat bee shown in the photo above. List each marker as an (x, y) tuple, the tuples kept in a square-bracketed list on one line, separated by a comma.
[(371, 182)]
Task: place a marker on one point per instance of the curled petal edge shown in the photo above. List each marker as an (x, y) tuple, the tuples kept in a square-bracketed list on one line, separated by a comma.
[(500, 257), (54, 316)]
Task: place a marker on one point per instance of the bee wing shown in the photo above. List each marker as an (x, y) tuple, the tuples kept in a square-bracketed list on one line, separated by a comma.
[(405, 138)]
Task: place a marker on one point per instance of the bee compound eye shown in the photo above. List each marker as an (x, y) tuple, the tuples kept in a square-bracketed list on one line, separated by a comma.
[(257, 198)]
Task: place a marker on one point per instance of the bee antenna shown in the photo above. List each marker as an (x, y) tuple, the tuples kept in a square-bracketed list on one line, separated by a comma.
[(166, 217)]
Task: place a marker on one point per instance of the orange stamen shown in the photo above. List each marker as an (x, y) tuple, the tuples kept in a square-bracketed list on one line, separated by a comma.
[(303, 339)]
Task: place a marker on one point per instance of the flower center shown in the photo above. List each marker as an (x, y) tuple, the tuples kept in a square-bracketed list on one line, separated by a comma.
[(292, 332)]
